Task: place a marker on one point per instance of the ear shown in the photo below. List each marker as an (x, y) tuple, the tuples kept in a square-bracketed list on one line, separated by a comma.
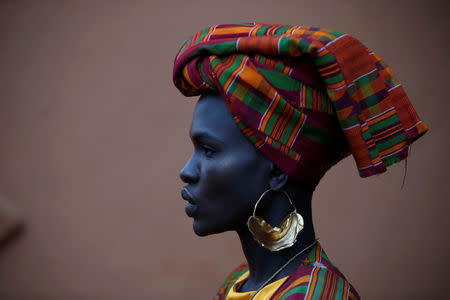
[(277, 178)]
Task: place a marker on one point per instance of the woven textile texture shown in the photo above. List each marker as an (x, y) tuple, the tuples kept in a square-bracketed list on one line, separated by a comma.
[(315, 278), (304, 96)]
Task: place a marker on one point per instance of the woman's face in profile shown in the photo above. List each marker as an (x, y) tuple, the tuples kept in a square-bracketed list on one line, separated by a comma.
[(225, 174)]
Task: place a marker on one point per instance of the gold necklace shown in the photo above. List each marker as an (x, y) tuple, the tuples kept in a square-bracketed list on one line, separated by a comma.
[(282, 268)]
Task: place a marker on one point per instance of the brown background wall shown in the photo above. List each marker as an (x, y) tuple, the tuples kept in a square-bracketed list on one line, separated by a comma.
[(93, 134)]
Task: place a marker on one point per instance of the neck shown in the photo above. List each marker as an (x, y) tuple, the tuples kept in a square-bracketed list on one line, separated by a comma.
[(262, 262)]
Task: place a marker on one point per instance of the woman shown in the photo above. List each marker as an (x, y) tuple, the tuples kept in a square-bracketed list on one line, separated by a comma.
[(280, 105)]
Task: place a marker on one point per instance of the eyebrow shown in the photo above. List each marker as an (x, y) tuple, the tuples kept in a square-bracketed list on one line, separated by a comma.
[(204, 136)]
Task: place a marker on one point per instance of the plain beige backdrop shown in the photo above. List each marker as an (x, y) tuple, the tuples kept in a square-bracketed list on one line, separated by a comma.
[(93, 135)]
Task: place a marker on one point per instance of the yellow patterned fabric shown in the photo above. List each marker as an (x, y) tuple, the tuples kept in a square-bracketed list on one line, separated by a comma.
[(265, 293)]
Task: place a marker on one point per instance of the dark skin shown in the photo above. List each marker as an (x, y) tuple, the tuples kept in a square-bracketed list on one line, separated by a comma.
[(225, 176)]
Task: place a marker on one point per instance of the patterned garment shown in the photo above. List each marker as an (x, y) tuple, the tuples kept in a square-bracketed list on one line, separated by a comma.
[(295, 92), (265, 293), (315, 278)]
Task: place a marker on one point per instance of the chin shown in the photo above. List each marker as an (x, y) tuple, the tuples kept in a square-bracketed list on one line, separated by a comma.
[(204, 230)]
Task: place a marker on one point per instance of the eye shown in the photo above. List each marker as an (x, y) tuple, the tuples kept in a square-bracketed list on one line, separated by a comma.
[(208, 150)]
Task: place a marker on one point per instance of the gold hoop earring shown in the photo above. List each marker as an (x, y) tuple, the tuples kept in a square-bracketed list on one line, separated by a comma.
[(278, 237)]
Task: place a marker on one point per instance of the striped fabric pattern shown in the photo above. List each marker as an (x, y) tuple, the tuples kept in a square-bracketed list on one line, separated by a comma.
[(231, 279), (288, 110), (316, 278)]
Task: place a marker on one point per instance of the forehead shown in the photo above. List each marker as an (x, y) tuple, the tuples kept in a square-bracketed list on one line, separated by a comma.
[(211, 115)]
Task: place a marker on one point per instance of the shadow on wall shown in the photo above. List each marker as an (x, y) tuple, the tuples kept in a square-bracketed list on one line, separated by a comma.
[(11, 223)]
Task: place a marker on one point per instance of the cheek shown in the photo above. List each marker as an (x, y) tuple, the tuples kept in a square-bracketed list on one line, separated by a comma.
[(220, 175), (235, 176)]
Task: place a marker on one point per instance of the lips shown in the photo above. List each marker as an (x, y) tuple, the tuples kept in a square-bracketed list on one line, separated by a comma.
[(191, 207), (186, 195)]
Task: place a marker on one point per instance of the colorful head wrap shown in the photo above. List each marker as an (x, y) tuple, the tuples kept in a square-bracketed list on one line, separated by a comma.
[(293, 90)]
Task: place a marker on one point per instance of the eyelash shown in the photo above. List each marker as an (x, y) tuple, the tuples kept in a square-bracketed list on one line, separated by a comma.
[(208, 150)]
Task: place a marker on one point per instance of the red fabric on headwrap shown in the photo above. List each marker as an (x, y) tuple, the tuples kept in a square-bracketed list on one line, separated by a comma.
[(267, 74)]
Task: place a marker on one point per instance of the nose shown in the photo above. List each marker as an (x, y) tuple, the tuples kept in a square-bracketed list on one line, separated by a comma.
[(189, 173)]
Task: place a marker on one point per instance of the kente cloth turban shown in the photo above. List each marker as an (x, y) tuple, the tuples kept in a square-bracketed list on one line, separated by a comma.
[(293, 90)]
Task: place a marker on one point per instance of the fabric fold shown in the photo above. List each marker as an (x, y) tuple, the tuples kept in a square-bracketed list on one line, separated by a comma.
[(296, 91)]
